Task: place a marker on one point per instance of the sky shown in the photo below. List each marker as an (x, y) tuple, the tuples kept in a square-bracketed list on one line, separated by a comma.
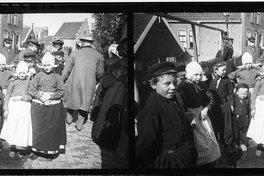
[(54, 20)]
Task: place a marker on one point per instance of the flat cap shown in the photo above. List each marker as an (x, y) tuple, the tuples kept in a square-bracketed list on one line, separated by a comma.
[(160, 69), (251, 39), (58, 41), (88, 38), (34, 42), (241, 85), (7, 39), (230, 39), (58, 53), (29, 56)]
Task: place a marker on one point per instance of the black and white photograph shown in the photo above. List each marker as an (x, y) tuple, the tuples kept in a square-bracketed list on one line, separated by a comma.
[(63, 83), (198, 90)]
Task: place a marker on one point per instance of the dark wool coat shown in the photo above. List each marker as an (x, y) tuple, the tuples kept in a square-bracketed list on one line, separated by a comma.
[(10, 55), (81, 71), (162, 136), (221, 112), (197, 97)]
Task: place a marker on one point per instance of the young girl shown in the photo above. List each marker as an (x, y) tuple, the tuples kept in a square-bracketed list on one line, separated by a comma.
[(162, 140), (17, 129), (198, 101), (255, 129), (5, 73), (48, 123)]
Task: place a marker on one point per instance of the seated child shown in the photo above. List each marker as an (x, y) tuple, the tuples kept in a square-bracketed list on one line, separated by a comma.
[(241, 115)]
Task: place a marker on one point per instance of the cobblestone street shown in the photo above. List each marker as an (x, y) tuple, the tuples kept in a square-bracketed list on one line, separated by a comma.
[(81, 153)]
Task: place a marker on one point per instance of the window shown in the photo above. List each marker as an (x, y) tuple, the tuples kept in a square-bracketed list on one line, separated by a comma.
[(15, 20), (5, 34), (252, 17), (260, 40), (9, 18), (190, 39), (258, 18), (182, 36)]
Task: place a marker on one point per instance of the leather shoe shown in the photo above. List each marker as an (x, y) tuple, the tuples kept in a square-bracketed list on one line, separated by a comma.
[(69, 119), (79, 123)]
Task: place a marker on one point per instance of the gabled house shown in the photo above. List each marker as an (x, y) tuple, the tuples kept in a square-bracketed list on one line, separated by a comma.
[(154, 42), (239, 26), (11, 26), (71, 32), (28, 34)]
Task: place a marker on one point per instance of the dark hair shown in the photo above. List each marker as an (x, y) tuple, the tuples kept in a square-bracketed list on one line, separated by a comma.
[(242, 85), (219, 64), (155, 79)]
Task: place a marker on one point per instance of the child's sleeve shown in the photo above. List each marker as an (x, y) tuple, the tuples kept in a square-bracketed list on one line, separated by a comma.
[(59, 90), (33, 87), (255, 93), (8, 95), (230, 93)]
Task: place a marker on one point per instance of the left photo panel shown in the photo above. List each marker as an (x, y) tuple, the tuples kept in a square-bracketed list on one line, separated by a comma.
[(63, 91)]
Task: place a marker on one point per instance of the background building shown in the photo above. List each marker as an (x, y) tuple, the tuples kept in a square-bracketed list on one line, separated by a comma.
[(11, 25), (240, 26)]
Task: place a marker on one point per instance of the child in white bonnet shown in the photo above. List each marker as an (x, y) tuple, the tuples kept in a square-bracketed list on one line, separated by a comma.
[(17, 129)]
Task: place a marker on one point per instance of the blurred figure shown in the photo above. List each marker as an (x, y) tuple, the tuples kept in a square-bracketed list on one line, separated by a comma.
[(58, 46), (110, 108), (32, 47), (81, 73), (59, 61), (7, 50)]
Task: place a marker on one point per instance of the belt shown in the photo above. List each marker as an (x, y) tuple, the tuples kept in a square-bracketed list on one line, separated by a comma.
[(47, 103)]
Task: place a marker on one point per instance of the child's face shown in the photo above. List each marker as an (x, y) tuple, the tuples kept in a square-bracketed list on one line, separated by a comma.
[(221, 71), (2, 66), (59, 58), (196, 78), (165, 86), (47, 68), (248, 65), (242, 93), (22, 75)]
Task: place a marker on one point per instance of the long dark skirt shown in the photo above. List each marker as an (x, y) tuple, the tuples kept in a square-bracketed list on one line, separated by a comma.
[(48, 127)]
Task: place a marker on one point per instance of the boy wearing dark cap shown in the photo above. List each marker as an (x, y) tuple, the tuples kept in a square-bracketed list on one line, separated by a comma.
[(59, 60), (162, 140), (241, 115), (29, 58), (58, 46), (222, 89), (253, 50), (32, 47), (8, 51)]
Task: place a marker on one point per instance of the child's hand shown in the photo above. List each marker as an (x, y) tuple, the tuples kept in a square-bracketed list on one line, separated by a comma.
[(204, 112), (253, 113), (232, 108), (17, 98), (5, 113), (45, 97)]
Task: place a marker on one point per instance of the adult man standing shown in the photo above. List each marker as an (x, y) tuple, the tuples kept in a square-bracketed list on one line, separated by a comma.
[(228, 56), (82, 72), (7, 51), (253, 50), (32, 47)]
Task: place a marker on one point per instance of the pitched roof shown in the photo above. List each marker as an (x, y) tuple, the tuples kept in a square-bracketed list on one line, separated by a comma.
[(205, 16), (68, 30), (141, 21), (25, 32)]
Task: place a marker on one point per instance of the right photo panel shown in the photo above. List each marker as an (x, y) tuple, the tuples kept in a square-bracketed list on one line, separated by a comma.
[(198, 90)]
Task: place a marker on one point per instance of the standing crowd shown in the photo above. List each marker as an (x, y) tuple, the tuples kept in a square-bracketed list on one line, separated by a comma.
[(195, 118), (42, 91)]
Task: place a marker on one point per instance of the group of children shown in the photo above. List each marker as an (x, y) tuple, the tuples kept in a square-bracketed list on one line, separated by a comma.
[(217, 111), (34, 122)]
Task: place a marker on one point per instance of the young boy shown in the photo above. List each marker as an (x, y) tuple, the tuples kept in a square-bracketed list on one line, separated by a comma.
[(162, 141), (247, 73), (222, 89), (241, 115), (59, 61)]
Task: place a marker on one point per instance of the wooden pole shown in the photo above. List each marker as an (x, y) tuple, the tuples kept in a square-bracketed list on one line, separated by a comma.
[(194, 43)]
